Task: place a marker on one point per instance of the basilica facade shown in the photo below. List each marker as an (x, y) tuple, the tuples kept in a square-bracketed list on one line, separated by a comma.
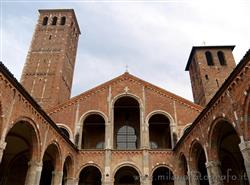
[(126, 131)]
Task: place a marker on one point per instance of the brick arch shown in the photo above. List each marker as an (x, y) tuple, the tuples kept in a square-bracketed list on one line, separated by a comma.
[(92, 112), (117, 97), (70, 167), (162, 165), (212, 136), (90, 165), (1, 119), (171, 119), (124, 164), (36, 151), (84, 117), (58, 162), (192, 152), (61, 125), (180, 168), (246, 116)]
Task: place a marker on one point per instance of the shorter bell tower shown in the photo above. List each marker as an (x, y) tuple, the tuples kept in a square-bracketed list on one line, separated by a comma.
[(49, 67), (209, 67)]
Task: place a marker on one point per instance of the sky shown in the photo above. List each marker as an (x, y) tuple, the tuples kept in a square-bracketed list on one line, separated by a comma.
[(153, 38)]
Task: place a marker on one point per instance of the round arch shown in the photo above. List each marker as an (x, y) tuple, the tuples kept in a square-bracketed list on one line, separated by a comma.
[(162, 174), (246, 113), (92, 136), (126, 122), (68, 169), (94, 169), (91, 112), (224, 147), (171, 119), (124, 164), (22, 146), (160, 130), (37, 143), (117, 97), (126, 173), (58, 162), (64, 126)]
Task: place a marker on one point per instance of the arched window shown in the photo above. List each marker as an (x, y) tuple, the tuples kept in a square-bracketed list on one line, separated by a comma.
[(221, 57), (45, 21), (126, 138), (93, 133), (126, 123), (54, 20), (159, 132), (209, 58), (65, 132), (63, 20)]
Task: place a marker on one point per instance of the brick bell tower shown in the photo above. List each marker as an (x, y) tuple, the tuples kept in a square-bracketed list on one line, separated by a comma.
[(49, 67), (209, 67)]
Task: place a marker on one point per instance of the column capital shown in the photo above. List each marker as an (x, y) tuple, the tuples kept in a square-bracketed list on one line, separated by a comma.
[(211, 164), (57, 172), (244, 145), (2, 145)]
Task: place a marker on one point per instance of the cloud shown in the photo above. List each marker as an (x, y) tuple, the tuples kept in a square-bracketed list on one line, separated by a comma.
[(153, 39)]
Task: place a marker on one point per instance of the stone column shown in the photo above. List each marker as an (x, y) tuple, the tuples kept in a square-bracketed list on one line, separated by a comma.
[(194, 177), (2, 147), (180, 180), (34, 173), (145, 180), (71, 181), (214, 172), (108, 181), (245, 150), (57, 177)]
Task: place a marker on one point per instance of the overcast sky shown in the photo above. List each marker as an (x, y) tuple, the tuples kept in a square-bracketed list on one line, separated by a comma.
[(154, 38)]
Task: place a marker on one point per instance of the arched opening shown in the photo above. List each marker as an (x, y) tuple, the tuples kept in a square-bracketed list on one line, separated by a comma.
[(90, 175), (126, 124), (93, 133), (199, 163), (45, 21), (184, 169), (127, 176), (65, 132), (63, 20), (50, 162), (163, 176), (21, 143), (54, 20), (209, 58), (159, 132), (225, 141), (67, 170), (221, 57)]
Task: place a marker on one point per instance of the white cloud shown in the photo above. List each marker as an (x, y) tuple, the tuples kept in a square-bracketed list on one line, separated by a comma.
[(154, 39)]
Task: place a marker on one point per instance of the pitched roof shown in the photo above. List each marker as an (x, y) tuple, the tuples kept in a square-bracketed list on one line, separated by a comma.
[(127, 75)]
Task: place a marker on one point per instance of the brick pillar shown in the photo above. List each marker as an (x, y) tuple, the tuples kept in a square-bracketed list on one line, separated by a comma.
[(194, 177), (245, 150), (57, 177), (34, 173), (2, 148), (214, 173)]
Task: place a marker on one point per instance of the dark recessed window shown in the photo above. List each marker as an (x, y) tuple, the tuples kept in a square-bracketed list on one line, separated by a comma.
[(206, 76), (45, 21), (221, 57), (54, 20), (126, 138), (63, 20), (209, 58)]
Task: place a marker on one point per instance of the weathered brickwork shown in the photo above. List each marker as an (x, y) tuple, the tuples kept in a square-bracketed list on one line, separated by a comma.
[(59, 147)]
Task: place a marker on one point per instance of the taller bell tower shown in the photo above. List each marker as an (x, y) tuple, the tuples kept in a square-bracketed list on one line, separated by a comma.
[(209, 67), (49, 67)]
